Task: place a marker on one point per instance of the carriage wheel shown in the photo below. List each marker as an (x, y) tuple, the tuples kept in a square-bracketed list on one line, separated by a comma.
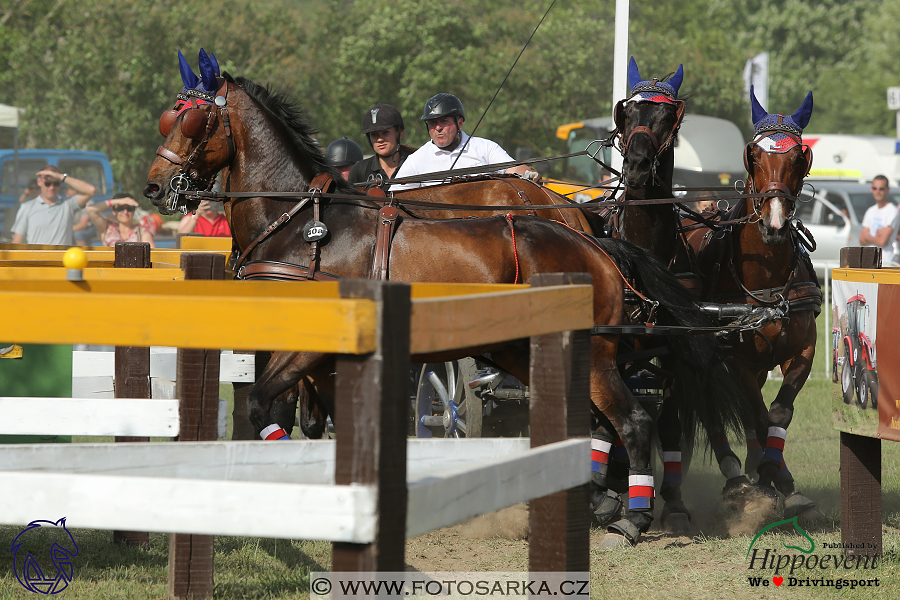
[(445, 404), (847, 379)]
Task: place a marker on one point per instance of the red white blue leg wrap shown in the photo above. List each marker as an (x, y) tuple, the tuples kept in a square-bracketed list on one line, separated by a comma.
[(672, 467), (775, 445), (274, 432), (640, 491), (600, 455)]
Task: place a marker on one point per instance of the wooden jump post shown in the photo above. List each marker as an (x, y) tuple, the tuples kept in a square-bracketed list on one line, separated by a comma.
[(132, 378), (860, 457)]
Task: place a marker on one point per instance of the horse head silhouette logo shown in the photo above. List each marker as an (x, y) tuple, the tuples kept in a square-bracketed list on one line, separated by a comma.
[(62, 549)]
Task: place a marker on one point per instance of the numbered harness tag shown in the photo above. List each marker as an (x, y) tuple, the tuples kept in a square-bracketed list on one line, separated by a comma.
[(314, 231)]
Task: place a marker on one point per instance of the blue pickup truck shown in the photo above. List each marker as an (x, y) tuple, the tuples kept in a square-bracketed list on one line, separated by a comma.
[(17, 169)]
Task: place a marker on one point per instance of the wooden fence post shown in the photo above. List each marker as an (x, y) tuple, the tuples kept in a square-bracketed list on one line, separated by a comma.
[(559, 537), (132, 370), (861, 457), (371, 406), (197, 387)]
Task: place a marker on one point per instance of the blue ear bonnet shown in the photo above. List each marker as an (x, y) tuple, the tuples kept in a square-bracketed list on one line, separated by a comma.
[(763, 121), (209, 71), (650, 90)]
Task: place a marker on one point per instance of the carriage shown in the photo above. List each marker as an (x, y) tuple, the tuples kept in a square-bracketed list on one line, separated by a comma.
[(643, 315)]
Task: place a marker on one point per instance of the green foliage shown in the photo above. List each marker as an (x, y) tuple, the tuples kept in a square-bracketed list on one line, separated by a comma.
[(97, 74)]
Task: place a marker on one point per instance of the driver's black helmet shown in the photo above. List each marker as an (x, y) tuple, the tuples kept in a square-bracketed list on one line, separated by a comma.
[(343, 152), (443, 105), (380, 117)]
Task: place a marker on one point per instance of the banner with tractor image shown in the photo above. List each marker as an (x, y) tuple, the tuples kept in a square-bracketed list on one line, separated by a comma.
[(865, 361)]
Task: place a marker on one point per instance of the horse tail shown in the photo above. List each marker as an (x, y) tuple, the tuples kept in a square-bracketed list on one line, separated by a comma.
[(705, 387)]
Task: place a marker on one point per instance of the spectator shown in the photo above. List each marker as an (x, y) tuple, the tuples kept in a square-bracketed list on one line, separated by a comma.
[(48, 218), (444, 117), (706, 200), (209, 220), (343, 154), (123, 227), (383, 127), (881, 221), (31, 191)]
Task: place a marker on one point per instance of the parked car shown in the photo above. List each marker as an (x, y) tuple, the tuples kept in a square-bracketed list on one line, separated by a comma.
[(834, 216)]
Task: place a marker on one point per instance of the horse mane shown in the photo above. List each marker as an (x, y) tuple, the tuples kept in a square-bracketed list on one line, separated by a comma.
[(290, 116)]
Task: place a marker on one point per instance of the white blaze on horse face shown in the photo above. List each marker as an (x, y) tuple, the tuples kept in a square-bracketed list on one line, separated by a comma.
[(776, 214)]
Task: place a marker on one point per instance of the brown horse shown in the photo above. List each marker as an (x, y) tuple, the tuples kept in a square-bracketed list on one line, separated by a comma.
[(760, 266), (262, 143)]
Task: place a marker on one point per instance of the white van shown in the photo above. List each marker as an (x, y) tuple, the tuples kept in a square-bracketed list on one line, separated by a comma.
[(853, 157)]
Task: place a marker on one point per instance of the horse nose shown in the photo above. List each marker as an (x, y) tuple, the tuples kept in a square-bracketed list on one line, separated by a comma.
[(152, 191)]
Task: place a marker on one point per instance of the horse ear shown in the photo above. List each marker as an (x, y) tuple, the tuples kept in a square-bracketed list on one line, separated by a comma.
[(676, 79), (757, 111), (634, 77), (187, 74), (207, 73), (215, 64), (801, 117)]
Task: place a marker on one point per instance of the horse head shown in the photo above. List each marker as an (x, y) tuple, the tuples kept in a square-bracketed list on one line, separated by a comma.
[(777, 161), (198, 138), (648, 122)]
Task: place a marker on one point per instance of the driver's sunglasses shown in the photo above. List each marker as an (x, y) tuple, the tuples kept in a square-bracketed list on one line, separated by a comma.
[(123, 208), (878, 189)]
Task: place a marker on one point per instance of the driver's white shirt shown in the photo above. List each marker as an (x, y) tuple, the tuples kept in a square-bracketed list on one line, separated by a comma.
[(431, 159)]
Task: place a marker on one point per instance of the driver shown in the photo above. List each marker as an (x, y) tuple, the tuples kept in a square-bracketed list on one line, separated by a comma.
[(444, 117), (383, 127)]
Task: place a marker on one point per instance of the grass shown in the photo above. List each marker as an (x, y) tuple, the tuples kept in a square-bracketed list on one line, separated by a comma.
[(709, 565)]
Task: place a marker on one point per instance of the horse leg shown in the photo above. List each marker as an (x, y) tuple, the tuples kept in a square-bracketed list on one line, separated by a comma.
[(613, 399), (284, 370), (675, 517), (772, 467), (319, 403), (605, 503)]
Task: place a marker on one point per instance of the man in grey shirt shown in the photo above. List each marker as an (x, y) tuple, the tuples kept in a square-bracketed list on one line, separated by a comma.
[(48, 218)]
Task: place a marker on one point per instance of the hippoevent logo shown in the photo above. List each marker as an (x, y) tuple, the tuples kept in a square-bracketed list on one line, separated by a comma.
[(42, 556), (807, 568)]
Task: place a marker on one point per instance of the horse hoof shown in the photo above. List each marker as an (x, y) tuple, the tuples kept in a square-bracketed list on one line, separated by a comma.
[(675, 517), (614, 540), (622, 533), (678, 523), (798, 505), (741, 496), (609, 509)]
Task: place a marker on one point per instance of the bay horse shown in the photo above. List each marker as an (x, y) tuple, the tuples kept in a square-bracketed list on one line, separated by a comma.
[(761, 265), (262, 143)]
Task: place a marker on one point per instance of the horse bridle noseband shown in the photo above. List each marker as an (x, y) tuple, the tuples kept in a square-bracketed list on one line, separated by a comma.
[(188, 178)]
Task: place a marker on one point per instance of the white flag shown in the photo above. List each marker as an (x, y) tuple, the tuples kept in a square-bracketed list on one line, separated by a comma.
[(756, 73)]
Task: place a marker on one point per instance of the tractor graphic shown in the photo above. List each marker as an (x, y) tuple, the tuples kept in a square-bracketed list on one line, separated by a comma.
[(835, 347), (858, 368)]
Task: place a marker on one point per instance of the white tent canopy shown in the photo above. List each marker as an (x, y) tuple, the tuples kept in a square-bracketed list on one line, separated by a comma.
[(9, 116)]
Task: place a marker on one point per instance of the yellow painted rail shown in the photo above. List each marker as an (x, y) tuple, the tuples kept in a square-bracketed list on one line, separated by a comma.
[(279, 315), (28, 253), (158, 273), (884, 275), (192, 243)]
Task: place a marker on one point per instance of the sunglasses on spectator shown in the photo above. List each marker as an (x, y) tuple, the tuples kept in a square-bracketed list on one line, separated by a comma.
[(49, 183), (878, 189), (121, 208)]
